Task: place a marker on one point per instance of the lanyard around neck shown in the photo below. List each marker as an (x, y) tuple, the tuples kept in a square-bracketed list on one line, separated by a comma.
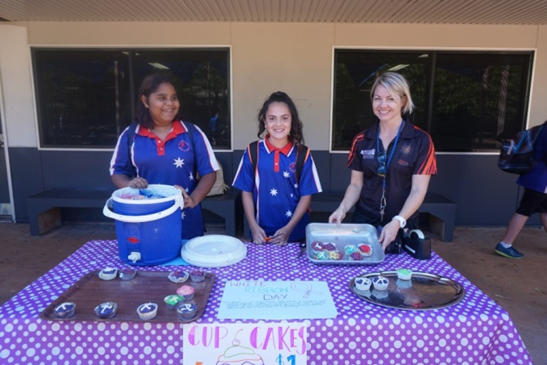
[(383, 201), (392, 149)]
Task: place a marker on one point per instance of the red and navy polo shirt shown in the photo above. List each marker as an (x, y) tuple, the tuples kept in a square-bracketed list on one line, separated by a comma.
[(414, 155), (275, 189), (169, 162)]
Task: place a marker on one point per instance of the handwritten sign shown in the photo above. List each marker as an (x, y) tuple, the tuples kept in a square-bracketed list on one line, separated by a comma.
[(276, 300), (280, 343)]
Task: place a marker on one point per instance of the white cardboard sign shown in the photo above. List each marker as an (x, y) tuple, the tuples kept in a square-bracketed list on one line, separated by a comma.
[(276, 343), (276, 300)]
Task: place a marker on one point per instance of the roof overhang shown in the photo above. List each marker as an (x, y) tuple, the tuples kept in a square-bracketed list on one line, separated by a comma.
[(513, 12)]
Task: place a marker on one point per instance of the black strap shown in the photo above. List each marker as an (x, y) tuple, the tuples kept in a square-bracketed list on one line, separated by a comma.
[(253, 153), (301, 153), (191, 129), (131, 136)]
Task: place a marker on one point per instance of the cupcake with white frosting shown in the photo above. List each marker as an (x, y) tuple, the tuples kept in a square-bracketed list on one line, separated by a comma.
[(147, 311), (380, 283)]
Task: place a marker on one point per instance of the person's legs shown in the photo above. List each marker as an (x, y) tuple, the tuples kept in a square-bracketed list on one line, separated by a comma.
[(531, 202), (528, 204), (505, 247), (515, 226)]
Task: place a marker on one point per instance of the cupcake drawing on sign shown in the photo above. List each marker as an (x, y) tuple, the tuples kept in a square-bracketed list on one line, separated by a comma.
[(239, 355)]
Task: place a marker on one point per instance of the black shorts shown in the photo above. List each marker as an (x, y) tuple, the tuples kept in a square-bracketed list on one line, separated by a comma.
[(532, 202)]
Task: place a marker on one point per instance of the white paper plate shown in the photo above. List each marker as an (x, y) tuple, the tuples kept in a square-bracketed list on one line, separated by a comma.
[(213, 250)]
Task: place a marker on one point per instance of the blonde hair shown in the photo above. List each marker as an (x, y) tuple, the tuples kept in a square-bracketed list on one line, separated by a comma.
[(395, 83)]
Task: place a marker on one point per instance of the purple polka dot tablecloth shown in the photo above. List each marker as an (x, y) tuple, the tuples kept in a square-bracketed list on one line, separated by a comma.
[(476, 330)]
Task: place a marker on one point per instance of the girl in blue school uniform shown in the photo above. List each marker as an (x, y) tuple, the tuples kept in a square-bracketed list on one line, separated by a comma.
[(277, 186), (162, 149)]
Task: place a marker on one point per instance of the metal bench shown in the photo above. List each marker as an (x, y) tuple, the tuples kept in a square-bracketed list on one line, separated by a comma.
[(44, 215)]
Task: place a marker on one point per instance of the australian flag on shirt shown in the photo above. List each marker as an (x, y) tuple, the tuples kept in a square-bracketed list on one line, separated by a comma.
[(275, 190)]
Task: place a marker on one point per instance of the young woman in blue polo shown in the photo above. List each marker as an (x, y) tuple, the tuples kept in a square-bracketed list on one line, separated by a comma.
[(391, 163), (162, 149), (276, 195)]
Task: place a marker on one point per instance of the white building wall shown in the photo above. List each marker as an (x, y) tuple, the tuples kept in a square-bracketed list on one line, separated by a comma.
[(16, 83), (538, 102)]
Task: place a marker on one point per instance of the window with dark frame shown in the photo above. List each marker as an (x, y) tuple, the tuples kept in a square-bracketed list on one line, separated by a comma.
[(467, 101), (86, 97)]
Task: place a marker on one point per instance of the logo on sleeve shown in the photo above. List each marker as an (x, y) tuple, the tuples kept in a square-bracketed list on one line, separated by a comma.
[(405, 151), (368, 154)]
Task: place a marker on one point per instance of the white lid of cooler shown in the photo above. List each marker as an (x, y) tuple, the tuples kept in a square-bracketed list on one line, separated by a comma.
[(213, 250)]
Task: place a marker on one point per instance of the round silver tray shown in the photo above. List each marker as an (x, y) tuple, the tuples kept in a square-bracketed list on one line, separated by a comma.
[(424, 291)]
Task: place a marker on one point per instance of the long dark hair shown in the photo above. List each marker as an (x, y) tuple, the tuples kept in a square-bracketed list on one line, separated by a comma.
[(295, 136), (149, 85)]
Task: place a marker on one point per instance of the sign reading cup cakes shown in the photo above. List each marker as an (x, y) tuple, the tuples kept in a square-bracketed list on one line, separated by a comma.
[(245, 343)]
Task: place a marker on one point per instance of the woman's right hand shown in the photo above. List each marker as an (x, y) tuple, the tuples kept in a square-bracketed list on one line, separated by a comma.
[(337, 216), (138, 183), (259, 236)]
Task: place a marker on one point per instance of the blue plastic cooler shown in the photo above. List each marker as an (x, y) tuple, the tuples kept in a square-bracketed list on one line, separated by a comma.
[(148, 230)]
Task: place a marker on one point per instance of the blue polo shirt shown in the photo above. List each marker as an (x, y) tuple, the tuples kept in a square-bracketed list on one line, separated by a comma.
[(414, 155), (275, 189), (536, 179), (169, 162)]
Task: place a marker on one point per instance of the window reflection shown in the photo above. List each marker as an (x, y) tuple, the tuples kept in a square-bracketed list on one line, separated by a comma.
[(467, 101), (86, 97)]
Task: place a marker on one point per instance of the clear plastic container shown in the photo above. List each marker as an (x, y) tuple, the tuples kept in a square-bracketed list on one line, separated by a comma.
[(341, 241)]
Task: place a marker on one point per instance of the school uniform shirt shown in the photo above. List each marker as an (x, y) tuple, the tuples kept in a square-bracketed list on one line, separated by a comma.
[(169, 162), (414, 155), (275, 190), (536, 178)]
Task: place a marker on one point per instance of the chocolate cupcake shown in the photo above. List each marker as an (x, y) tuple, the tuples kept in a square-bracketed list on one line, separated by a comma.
[(108, 273), (197, 276), (127, 274), (106, 310), (178, 277), (187, 311), (65, 310), (147, 311)]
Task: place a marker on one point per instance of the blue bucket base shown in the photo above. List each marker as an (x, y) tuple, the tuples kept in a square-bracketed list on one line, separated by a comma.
[(157, 241)]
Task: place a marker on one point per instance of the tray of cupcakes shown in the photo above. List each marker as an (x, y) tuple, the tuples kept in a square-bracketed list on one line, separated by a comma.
[(355, 244), (129, 295), (404, 289)]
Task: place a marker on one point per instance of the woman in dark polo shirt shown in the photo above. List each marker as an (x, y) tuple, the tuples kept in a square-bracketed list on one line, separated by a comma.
[(391, 164)]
